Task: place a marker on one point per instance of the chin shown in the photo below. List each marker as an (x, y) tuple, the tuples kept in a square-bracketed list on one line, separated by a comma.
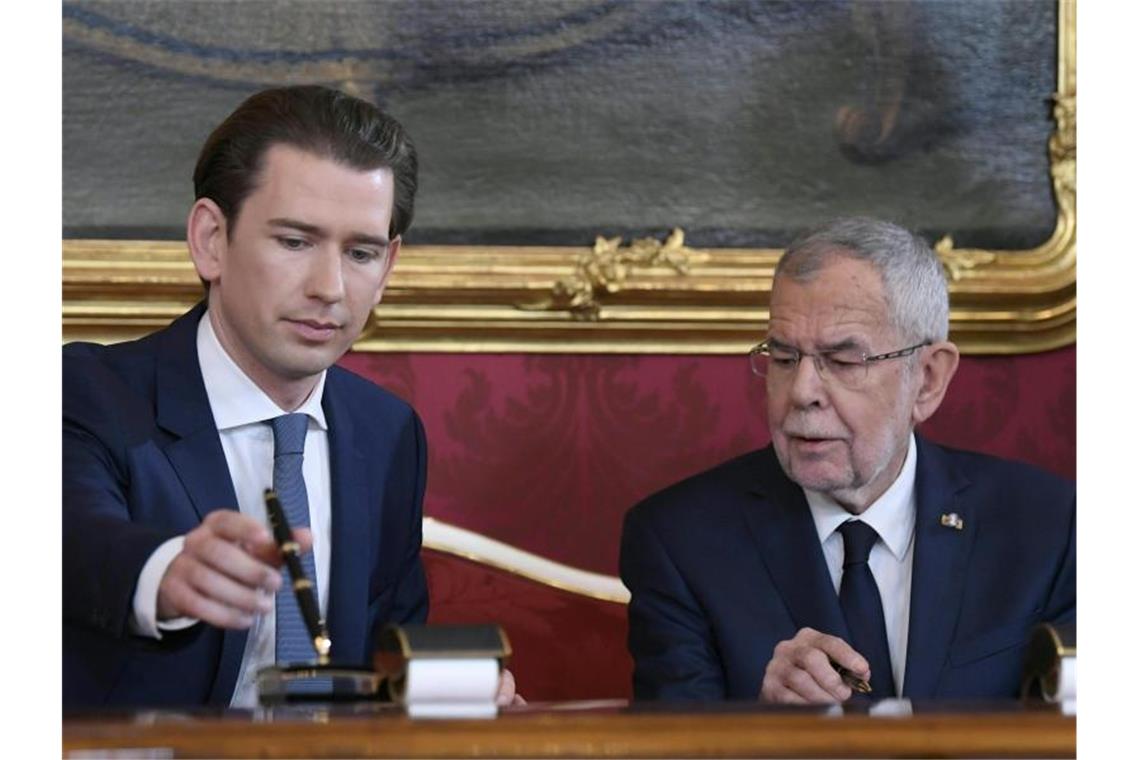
[(815, 478), (311, 363)]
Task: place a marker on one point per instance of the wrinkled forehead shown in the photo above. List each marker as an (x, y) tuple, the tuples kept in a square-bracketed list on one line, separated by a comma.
[(843, 299)]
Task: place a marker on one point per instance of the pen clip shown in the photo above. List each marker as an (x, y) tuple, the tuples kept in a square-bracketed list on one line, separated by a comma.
[(278, 523)]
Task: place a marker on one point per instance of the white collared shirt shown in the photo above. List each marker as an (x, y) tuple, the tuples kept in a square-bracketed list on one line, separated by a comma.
[(892, 516), (241, 412)]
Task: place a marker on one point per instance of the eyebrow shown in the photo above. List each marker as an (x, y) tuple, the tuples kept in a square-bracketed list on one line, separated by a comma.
[(826, 348), (312, 229), (842, 345)]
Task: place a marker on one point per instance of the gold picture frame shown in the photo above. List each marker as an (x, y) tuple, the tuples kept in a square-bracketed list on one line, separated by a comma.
[(647, 296)]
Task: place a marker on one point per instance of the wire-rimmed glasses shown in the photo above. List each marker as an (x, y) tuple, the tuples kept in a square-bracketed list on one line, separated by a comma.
[(847, 366)]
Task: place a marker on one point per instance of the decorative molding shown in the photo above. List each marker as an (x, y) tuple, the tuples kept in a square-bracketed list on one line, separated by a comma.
[(605, 269), (450, 539), (956, 262), (647, 297)]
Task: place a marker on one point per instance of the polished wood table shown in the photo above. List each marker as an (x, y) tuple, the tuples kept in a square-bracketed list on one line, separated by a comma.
[(585, 730)]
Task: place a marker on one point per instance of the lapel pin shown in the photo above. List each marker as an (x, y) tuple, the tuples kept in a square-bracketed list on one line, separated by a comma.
[(952, 520)]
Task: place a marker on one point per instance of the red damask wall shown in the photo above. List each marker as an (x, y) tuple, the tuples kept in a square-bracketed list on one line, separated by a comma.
[(546, 452)]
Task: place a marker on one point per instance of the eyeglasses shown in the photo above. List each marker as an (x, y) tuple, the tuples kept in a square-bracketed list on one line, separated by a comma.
[(847, 366)]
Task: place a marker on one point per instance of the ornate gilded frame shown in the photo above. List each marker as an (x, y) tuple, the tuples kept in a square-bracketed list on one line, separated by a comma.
[(645, 297)]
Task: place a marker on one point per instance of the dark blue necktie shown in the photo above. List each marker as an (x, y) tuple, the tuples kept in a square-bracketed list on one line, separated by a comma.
[(863, 608), (294, 644)]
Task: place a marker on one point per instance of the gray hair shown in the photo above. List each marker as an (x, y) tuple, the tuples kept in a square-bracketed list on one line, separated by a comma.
[(918, 303)]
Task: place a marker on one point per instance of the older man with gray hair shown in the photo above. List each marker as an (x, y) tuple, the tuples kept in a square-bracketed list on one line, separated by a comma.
[(851, 555)]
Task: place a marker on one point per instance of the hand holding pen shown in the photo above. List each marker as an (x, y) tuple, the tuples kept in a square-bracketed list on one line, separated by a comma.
[(814, 668), (225, 574), (303, 587)]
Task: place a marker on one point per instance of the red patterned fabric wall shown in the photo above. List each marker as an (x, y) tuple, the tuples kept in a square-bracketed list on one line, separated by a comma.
[(546, 452)]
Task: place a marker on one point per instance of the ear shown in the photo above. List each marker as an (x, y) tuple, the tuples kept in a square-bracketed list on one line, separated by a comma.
[(206, 236), (393, 254), (939, 363)]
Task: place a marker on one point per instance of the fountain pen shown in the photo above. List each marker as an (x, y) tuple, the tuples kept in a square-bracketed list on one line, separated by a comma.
[(302, 585), (856, 683)]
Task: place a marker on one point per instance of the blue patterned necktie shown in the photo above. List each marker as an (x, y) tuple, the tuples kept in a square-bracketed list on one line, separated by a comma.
[(863, 607), (294, 644)]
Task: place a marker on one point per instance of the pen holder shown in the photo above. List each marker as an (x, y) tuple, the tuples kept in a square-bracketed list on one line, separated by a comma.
[(442, 671), (278, 685)]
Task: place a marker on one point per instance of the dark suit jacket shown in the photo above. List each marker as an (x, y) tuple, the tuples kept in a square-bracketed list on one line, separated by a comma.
[(726, 564), (142, 462)]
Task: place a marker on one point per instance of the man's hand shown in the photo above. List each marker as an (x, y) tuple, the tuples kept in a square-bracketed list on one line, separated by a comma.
[(800, 670), (226, 572), (507, 694)]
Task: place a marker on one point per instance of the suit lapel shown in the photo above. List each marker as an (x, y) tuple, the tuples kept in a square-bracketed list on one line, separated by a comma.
[(183, 409), (940, 555), (351, 554), (195, 452), (781, 525)]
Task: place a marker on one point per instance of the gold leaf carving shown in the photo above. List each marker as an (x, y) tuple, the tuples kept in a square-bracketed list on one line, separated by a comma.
[(956, 261), (1063, 149), (607, 267)]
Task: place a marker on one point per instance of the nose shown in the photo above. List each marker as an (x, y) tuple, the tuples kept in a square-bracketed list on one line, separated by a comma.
[(325, 280), (807, 387)]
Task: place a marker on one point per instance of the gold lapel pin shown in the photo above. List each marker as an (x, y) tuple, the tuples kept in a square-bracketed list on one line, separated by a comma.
[(952, 520)]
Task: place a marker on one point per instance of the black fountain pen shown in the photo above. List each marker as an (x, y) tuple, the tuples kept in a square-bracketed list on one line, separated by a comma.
[(302, 586)]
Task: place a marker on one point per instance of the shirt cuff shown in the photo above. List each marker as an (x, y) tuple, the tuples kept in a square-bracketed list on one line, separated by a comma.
[(144, 614)]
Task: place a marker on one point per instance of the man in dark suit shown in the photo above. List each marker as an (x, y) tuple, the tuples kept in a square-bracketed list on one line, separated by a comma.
[(170, 573), (849, 543)]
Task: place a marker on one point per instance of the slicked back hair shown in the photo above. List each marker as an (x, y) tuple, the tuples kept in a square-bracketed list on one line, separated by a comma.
[(918, 303), (319, 120)]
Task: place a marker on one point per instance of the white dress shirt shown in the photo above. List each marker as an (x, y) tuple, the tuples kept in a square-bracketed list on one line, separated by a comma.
[(892, 516), (241, 412)]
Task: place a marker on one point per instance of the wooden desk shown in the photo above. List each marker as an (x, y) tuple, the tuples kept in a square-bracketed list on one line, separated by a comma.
[(583, 730)]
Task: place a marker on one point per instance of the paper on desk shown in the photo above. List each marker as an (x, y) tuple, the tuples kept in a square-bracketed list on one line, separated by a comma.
[(451, 688), (1066, 692), (892, 708)]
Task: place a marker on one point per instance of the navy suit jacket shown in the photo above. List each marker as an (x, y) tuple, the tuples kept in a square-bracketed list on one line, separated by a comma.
[(143, 462), (726, 564)]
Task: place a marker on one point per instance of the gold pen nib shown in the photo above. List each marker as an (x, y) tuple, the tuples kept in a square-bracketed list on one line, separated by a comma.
[(322, 644)]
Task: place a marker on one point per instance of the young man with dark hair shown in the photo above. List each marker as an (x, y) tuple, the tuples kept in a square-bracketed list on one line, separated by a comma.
[(172, 588)]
